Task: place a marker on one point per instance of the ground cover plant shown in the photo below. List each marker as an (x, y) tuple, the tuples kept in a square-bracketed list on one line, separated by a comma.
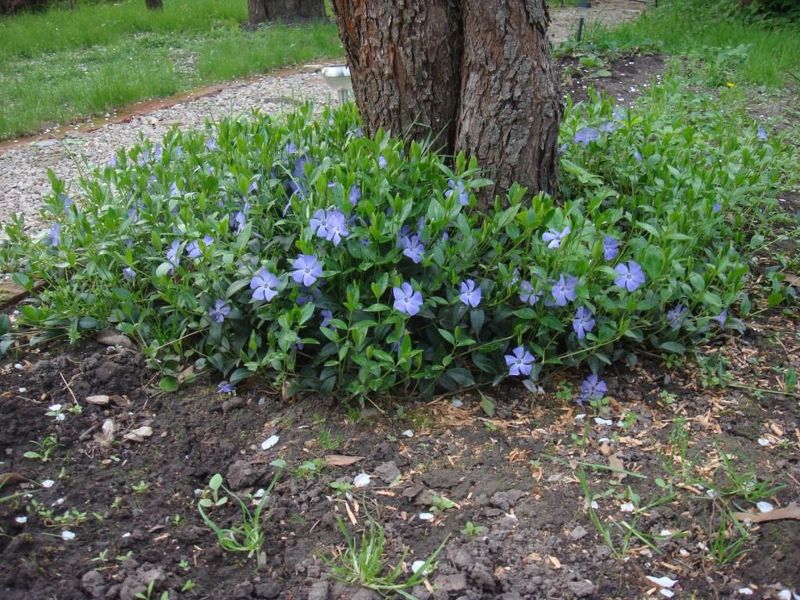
[(298, 249), (63, 64)]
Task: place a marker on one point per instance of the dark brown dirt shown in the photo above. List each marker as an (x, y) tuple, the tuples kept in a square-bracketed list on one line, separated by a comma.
[(515, 474)]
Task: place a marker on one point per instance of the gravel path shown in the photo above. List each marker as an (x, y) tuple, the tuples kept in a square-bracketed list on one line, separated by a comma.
[(23, 168)]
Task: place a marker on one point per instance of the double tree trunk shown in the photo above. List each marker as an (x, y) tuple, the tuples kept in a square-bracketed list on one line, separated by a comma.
[(284, 10), (476, 75)]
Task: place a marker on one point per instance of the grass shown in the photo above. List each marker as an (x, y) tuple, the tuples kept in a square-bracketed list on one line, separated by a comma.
[(62, 65), (692, 27)]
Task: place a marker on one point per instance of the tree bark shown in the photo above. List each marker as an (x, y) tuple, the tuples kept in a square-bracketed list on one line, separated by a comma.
[(476, 74), (285, 10), (153, 4)]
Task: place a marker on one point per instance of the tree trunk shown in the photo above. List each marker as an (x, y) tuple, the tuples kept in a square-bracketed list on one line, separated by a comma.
[(285, 10), (477, 74), (153, 4)]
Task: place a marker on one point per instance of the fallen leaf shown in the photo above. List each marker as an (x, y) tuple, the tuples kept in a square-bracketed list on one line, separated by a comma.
[(99, 400), (106, 436), (111, 337), (341, 460), (788, 512), (615, 462), (6, 478), (554, 561)]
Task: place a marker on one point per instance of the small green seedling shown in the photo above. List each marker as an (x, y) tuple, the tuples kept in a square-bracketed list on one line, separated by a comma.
[(46, 448), (442, 504), (140, 488), (215, 500), (471, 531)]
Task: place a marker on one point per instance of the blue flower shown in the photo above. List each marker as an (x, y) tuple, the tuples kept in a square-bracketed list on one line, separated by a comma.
[(195, 248), (55, 235), (458, 186), (717, 207), (355, 194), (610, 247), (470, 295), (264, 285), (609, 127), (326, 318), (66, 201), (382, 162), (564, 290), (337, 227), (636, 155), (308, 295), (239, 219), (630, 277), (406, 300), (306, 269), (319, 223), (583, 322), (225, 388), (112, 162), (721, 318), (219, 311), (527, 293), (211, 143), (677, 315), (173, 190), (413, 247), (762, 133), (554, 238), (592, 389), (253, 188), (129, 273), (586, 135), (173, 255), (520, 361)]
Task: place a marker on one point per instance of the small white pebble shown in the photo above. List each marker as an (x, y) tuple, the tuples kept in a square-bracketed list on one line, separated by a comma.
[(408, 433), (54, 407), (745, 591), (765, 507), (602, 421), (426, 517), (67, 535), (48, 483), (58, 502), (126, 535), (627, 507), (711, 493), (458, 403), (580, 416), (667, 593), (361, 480), (785, 595), (259, 493), (23, 390), (763, 442), (21, 520), (666, 532), (595, 505), (60, 417), (269, 442), (17, 366)]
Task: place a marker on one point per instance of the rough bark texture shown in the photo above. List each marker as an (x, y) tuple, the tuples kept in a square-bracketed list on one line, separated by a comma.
[(285, 10), (510, 103), (153, 4), (405, 61), (477, 73)]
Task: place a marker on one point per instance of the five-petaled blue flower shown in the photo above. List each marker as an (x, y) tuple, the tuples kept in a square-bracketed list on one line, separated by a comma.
[(564, 290), (264, 285), (630, 277), (219, 311), (382, 162), (520, 361), (406, 300), (554, 238), (592, 389), (225, 388), (676, 316), (306, 269), (610, 247), (762, 133), (319, 222), (717, 207), (337, 227), (194, 249), (527, 294), (55, 235), (129, 273), (458, 186), (583, 322), (239, 219), (470, 295), (413, 247), (586, 135), (355, 194)]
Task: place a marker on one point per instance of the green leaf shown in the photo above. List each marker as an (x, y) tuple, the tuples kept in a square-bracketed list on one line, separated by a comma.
[(487, 405), (673, 347), (168, 384), (461, 376)]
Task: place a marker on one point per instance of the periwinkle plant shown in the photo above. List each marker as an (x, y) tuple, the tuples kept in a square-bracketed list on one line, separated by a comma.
[(301, 250)]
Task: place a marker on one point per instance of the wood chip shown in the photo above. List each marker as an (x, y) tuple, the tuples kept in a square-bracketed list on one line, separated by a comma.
[(554, 561), (341, 460), (788, 512), (99, 400), (615, 462), (138, 435)]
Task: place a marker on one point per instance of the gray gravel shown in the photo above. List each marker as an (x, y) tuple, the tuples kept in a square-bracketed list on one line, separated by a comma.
[(23, 168)]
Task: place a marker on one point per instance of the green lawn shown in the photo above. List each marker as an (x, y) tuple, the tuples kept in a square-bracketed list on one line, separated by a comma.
[(65, 64)]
